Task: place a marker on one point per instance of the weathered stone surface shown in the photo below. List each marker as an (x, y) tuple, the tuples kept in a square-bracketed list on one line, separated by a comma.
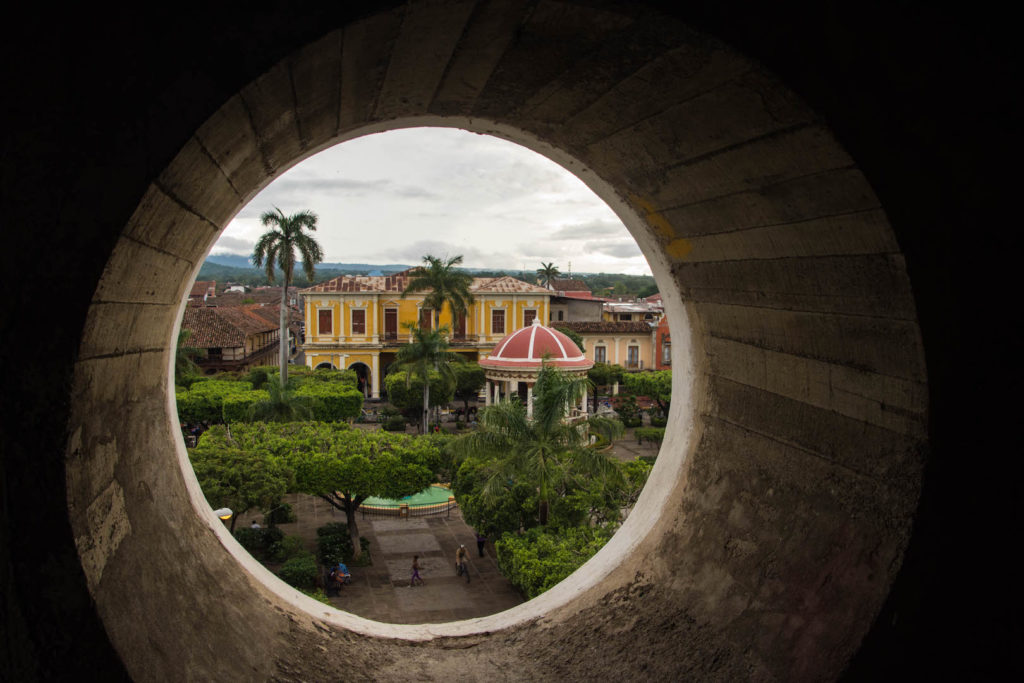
[(420, 56), (316, 75), (789, 486)]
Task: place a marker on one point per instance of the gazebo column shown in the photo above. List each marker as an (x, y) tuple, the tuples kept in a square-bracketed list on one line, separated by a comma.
[(529, 401), (487, 394), (584, 400), (497, 392)]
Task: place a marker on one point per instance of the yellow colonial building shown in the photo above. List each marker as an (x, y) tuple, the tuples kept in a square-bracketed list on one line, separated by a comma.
[(358, 322)]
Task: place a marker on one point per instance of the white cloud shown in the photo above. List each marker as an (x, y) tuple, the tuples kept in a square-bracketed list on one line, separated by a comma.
[(392, 197)]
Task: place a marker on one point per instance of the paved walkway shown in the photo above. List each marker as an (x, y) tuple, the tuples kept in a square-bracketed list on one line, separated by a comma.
[(381, 591)]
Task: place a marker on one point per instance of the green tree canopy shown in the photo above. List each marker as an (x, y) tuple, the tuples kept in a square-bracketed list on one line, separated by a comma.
[(277, 247), (469, 379), (237, 476), (655, 384)]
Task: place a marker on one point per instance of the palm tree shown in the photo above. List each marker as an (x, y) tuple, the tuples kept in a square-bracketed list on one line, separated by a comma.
[(278, 245), (547, 272), (446, 285), (427, 352), (545, 451)]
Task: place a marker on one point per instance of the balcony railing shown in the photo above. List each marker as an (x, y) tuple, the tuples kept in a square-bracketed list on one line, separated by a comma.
[(634, 365)]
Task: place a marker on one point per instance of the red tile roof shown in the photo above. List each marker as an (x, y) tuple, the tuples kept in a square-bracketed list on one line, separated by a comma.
[(222, 327), (569, 285), (604, 327)]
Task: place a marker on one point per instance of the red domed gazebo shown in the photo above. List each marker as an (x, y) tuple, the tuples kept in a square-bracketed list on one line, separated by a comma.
[(512, 368)]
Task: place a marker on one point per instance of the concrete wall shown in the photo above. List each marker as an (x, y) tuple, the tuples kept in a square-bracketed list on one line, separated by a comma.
[(782, 503)]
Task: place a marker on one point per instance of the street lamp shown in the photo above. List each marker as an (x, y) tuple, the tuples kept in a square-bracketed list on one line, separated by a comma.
[(224, 513)]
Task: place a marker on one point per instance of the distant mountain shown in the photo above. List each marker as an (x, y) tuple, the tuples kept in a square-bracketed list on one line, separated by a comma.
[(237, 261)]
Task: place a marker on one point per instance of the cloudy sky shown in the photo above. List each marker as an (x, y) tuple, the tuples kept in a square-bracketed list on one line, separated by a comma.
[(393, 197)]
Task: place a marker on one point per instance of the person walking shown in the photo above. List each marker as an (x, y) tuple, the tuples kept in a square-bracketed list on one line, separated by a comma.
[(415, 571), (480, 541), (462, 562)]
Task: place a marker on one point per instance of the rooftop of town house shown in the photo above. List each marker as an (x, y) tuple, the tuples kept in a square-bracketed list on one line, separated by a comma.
[(397, 282), (582, 296), (601, 326), (203, 288), (259, 295), (223, 327), (569, 285)]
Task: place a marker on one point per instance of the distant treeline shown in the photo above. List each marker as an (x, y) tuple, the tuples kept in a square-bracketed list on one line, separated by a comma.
[(601, 284)]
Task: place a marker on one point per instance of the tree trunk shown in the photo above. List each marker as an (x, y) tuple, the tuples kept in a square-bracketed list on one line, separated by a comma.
[(426, 404), (349, 507), (542, 512), (353, 528), (283, 341)]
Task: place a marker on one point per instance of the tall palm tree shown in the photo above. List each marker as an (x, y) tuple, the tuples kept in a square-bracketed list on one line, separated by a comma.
[(547, 272), (446, 285), (277, 246), (427, 352), (545, 451)]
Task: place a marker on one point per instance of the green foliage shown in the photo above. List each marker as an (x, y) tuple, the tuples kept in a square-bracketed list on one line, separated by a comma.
[(658, 420), (395, 424), (300, 571), (540, 558), (444, 284), (318, 595), (656, 384), (281, 513), (469, 379), (629, 411), (333, 544), (258, 376), (546, 273), (236, 476), (605, 374), (259, 543), (404, 393), (426, 356), (205, 400), (651, 434), (334, 401), (544, 453), (572, 334), (515, 509), (285, 549)]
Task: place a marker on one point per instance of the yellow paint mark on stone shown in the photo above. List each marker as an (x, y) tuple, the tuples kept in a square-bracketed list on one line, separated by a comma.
[(656, 220), (679, 249), (676, 248)]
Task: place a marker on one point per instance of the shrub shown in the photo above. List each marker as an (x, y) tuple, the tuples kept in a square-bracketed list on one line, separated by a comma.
[(318, 595), (300, 571), (286, 549), (258, 542), (651, 434), (395, 424), (658, 420), (332, 548), (541, 557)]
